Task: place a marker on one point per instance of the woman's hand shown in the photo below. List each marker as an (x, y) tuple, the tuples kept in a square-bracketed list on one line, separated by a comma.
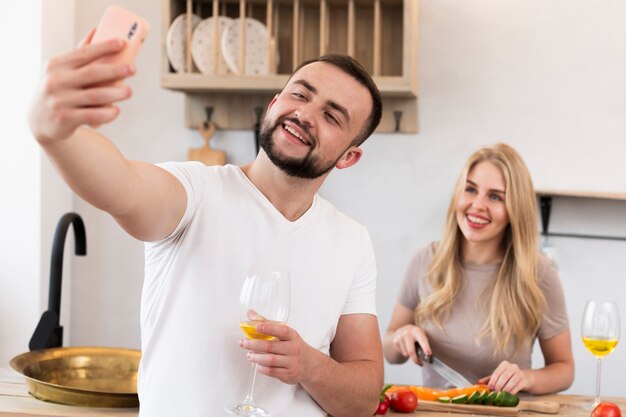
[(401, 335), (508, 377), (404, 339)]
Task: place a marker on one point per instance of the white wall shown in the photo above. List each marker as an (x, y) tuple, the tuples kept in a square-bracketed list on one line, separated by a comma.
[(56, 197), (20, 182), (35, 196), (542, 76)]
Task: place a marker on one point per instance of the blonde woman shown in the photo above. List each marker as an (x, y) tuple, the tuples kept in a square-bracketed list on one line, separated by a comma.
[(480, 298)]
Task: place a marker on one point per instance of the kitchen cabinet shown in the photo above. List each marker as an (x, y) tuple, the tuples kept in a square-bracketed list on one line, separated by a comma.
[(381, 34)]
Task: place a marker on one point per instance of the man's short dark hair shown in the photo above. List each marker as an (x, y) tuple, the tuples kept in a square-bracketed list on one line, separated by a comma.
[(353, 68)]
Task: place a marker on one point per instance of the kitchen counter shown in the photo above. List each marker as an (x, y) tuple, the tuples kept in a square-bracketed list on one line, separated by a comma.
[(16, 402)]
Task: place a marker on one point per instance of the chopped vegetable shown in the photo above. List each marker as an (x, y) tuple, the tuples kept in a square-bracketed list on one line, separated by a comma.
[(403, 401), (606, 409), (490, 397), (510, 400), (422, 393), (500, 398), (483, 397), (477, 394), (383, 405), (473, 397), (460, 399)]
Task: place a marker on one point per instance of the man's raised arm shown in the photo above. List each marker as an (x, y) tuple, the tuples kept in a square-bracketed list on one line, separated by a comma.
[(77, 90)]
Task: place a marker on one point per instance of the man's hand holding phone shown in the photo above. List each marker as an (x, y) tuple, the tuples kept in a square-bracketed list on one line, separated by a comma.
[(117, 22), (82, 87)]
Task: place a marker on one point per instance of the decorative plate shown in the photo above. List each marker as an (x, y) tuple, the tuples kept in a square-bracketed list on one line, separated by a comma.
[(202, 46), (256, 47), (176, 40)]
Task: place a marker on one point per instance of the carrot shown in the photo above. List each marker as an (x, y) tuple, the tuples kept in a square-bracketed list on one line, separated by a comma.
[(427, 393), (431, 394), (423, 393)]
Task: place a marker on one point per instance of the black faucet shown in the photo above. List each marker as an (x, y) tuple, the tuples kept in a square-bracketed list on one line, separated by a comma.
[(49, 333)]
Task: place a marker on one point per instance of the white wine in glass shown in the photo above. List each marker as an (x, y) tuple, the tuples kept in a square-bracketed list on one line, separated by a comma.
[(265, 296), (600, 333)]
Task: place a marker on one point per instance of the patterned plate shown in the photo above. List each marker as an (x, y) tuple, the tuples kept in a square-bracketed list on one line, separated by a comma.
[(202, 46), (176, 40), (256, 47)]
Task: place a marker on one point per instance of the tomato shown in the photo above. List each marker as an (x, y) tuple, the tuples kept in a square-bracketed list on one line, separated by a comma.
[(606, 409), (383, 405), (404, 401)]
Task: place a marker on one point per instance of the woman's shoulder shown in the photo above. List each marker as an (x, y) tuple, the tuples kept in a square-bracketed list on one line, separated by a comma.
[(426, 252), (547, 272), (415, 277), (545, 265), (421, 259)]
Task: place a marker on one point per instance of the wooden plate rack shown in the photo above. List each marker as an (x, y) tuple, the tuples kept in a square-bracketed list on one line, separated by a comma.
[(381, 34)]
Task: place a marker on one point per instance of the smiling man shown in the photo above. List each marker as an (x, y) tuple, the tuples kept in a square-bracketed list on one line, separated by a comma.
[(336, 119), (203, 227)]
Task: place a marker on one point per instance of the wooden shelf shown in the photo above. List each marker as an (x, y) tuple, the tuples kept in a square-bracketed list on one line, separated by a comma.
[(388, 86), (545, 207), (381, 34), (582, 194), (194, 83)]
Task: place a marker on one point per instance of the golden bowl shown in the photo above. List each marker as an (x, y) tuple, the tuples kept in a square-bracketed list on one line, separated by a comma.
[(85, 376)]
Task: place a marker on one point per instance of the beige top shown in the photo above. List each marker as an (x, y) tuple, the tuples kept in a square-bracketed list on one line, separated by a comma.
[(456, 343)]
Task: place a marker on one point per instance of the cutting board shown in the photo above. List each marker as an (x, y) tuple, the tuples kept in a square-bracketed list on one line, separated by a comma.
[(206, 154), (544, 407)]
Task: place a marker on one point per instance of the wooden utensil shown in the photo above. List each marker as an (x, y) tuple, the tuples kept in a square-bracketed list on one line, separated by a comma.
[(206, 154), (544, 407)]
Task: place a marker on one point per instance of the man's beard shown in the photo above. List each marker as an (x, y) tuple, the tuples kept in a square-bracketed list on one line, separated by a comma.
[(309, 167)]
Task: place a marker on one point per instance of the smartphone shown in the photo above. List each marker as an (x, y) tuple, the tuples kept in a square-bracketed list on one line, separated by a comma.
[(117, 22)]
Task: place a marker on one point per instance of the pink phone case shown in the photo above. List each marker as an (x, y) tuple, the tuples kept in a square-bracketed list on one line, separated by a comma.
[(117, 22)]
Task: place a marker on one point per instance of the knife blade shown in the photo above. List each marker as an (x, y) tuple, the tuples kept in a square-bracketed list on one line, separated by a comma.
[(447, 373)]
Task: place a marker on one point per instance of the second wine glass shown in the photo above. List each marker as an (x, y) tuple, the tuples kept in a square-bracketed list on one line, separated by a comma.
[(600, 333), (265, 296)]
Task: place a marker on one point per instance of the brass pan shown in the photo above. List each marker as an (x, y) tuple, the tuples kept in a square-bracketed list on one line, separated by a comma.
[(85, 376)]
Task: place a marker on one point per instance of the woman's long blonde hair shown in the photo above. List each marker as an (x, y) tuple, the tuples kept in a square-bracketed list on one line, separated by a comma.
[(515, 303)]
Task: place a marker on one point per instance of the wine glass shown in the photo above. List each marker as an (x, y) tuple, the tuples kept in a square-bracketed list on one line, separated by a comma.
[(265, 296), (600, 332)]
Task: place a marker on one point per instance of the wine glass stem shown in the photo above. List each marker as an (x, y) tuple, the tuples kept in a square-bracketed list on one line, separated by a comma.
[(598, 378), (249, 399)]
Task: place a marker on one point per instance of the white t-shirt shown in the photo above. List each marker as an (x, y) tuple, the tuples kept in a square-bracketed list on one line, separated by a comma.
[(192, 364)]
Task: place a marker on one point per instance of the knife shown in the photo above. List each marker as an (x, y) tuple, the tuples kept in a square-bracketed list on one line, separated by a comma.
[(447, 373)]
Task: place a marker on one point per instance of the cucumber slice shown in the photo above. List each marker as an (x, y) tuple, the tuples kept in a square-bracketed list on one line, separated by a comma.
[(460, 399), (444, 399), (499, 399), (483, 397), (510, 400), (473, 397), (490, 397)]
